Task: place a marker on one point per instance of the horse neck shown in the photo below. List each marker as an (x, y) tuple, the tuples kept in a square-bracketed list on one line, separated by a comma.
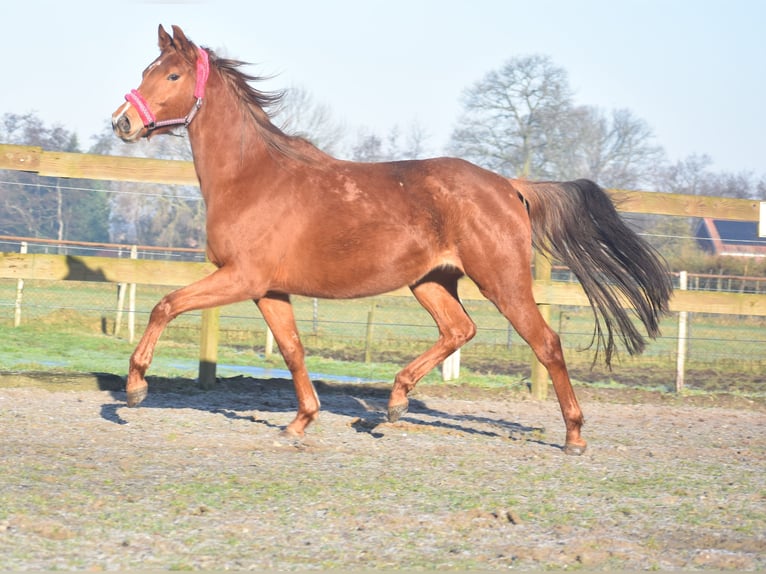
[(225, 139)]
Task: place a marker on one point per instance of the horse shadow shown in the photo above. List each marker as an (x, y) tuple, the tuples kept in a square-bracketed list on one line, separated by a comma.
[(364, 403)]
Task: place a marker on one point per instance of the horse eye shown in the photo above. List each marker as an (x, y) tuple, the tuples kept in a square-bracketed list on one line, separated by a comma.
[(173, 77)]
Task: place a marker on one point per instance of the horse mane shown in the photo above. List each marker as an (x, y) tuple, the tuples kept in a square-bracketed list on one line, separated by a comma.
[(259, 105)]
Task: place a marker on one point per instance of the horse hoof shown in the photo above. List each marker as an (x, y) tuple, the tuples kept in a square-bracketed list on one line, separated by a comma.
[(136, 396), (396, 411), (289, 433), (574, 449), (291, 439)]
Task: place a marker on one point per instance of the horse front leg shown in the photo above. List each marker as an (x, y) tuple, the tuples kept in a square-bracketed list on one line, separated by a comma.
[(136, 387), (278, 313), (218, 288)]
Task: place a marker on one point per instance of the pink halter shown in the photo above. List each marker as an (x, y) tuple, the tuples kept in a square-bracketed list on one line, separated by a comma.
[(149, 119)]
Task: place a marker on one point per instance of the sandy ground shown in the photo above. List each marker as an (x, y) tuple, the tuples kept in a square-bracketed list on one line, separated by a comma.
[(469, 479)]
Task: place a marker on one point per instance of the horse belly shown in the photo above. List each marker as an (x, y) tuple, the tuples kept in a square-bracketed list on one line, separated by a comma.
[(359, 270)]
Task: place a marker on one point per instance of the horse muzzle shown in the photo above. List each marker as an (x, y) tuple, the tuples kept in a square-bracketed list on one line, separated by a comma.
[(127, 129)]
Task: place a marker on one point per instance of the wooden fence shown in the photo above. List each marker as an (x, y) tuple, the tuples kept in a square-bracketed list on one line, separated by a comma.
[(153, 272)]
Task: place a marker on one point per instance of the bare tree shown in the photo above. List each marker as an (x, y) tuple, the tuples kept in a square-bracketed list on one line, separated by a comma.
[(741, 185), (512, 115), (693, 175), (686, 176), (369, 146), (38, 206), (760, 189), (300, 115), (520, 121), (416, 143), (616, 149)]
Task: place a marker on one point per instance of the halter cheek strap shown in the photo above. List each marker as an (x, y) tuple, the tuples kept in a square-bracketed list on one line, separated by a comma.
[(142, 106)]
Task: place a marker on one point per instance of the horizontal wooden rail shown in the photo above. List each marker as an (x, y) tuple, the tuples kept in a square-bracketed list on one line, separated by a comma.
[(94, 245), (179, 273), (101, 167), (108, 269), (683, 205), (116, 168), (723, 303)]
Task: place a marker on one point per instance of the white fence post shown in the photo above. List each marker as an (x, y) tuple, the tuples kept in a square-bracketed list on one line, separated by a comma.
[(683, 326), (269, 348), (451, 367), (19, 291)]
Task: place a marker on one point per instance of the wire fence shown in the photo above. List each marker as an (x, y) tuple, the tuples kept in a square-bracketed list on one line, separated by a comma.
[(719, 282), (376, 336), (382, 333), (11, 243), (146, 193)]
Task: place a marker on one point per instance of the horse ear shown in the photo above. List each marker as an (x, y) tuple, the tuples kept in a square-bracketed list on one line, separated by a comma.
[(164, 38), (183, 44)]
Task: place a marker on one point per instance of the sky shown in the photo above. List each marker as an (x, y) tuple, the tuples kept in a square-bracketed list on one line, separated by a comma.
[(694, 70)]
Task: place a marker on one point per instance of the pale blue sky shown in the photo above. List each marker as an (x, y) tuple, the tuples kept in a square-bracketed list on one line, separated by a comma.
[(693, 69)]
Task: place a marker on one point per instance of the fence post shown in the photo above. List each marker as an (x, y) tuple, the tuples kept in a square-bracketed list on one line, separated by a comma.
[(208, 347), (683, 325), (19, 291), (269, 348), (132, 301), (539, 373), (121, 287), (368, 336), (451, 367)]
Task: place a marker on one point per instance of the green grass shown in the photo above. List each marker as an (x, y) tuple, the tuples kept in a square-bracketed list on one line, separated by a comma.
[(69, 326)]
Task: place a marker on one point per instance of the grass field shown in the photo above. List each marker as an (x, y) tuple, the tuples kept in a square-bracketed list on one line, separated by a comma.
[(69, 326)]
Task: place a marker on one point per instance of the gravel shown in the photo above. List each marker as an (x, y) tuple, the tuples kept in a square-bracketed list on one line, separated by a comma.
[(469, 479)]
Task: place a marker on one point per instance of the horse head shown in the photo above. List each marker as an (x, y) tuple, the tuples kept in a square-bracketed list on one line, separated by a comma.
[(171, 91)]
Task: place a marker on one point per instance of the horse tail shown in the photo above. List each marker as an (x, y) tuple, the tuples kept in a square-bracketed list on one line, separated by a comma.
[(576, 223)]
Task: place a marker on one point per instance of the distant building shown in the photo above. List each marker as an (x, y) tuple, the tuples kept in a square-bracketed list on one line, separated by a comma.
[(724, 237)]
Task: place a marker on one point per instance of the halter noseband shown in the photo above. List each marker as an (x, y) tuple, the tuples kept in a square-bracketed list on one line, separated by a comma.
[(149, 119)]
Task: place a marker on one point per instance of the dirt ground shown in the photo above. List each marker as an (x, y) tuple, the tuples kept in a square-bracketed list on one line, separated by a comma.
[(469, 479)]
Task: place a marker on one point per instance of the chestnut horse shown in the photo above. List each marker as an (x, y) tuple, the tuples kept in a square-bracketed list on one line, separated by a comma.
[(285, 218)]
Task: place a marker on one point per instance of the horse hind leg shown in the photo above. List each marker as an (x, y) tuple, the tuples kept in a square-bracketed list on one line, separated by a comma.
[(278, 313), (519, 307), (438, 295)]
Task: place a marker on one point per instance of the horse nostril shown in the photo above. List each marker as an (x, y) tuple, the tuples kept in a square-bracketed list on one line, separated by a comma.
[(123, 124)]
